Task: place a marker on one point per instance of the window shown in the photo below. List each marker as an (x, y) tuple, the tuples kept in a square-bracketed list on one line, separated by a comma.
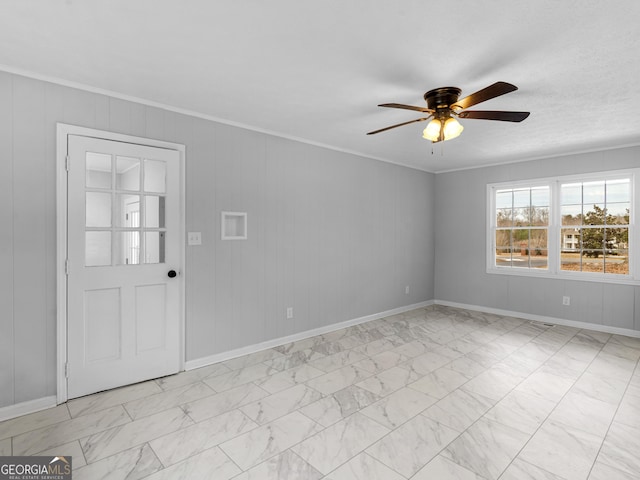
[(595, 226), (522, 227), (573, 227)]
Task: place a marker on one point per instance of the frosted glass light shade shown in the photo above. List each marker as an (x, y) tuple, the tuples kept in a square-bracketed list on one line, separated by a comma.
[(432, 130), (452, 128)]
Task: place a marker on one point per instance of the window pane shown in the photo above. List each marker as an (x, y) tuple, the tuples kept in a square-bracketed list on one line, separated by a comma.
[(618, 213), (520, 253), (538, 248), (128, 173), (594, 214), (571, 194), (503, 248), (593, 261), (98, 209), (616, 262), (570, 249), (154, 211), (592, 192), (129, 205), (504, 217), (521, 216), (618, 191), (155, 173), (593, 239), (154, 247), (98, 170), (539, 216), (570, 261), (616, 238), (97, 249), (503, 239), (571, 214), (504, 199), (570, 238)]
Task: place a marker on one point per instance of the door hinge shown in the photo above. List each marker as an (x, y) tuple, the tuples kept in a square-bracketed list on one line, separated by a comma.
[(66, 370), (66, 266), (66, 163)]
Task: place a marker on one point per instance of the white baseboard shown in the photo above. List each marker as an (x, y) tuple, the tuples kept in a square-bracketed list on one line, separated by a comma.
[(544, 319), (24, 408), (238, 352)]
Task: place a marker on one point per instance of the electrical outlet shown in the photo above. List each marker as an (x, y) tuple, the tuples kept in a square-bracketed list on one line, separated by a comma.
[(566, 300), (194, 238), (289, 313), (406, 290)]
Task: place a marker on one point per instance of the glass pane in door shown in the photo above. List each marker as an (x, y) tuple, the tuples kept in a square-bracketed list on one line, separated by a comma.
[(129, 210), (97, 248), (154, 243), (128, 248), (98, 209), (127, 173), (155, 176), (154, 211), (97, 170)]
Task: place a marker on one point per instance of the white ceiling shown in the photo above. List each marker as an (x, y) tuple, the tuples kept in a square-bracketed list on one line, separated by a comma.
[(315, 71)]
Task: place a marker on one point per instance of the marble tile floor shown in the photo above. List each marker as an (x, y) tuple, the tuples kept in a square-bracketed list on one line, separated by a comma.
[(436, 393)]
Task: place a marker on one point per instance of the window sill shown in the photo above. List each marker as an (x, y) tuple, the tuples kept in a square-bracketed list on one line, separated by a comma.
[(582, 277)]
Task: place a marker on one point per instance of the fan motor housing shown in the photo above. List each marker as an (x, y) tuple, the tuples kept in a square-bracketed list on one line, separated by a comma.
[(443, 97)]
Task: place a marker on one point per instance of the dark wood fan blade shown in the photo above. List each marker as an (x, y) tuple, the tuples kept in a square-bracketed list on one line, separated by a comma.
[(492, 91), (406, 107), (399, 125), (494, 115)]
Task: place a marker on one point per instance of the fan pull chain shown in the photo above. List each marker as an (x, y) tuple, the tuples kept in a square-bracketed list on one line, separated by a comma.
[(441, 148)]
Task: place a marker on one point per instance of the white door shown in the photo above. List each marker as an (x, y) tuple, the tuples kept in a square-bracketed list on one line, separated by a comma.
[(124, 251)]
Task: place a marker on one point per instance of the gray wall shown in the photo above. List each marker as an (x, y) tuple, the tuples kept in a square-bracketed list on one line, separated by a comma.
[(333, 235), (460, 225)]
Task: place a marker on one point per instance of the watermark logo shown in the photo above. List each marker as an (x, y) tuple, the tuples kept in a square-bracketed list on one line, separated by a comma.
[(35, 468)]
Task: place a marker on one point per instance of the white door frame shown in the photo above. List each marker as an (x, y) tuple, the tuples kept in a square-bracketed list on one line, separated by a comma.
[(63, 130)]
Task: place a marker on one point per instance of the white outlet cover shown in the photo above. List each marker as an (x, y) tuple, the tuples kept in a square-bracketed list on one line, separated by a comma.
[(194, 238)]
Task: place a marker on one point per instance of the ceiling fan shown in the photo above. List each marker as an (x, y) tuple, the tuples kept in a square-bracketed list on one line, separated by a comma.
[(443, 107)]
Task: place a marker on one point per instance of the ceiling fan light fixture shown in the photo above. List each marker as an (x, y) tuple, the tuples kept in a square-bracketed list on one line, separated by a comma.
[(452, 128), (448, 129), (432, 130), (444, 105)]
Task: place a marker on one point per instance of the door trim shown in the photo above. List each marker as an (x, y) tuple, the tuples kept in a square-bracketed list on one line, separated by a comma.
[(62, 132)]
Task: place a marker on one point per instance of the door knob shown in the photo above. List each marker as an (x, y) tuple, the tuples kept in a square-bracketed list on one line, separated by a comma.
[(172, 273)]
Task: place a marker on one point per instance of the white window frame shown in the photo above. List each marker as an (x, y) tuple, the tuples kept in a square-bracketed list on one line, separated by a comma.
[(555, 227)]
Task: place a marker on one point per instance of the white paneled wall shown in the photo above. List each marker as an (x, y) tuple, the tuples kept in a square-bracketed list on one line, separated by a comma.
[(333, 235)]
